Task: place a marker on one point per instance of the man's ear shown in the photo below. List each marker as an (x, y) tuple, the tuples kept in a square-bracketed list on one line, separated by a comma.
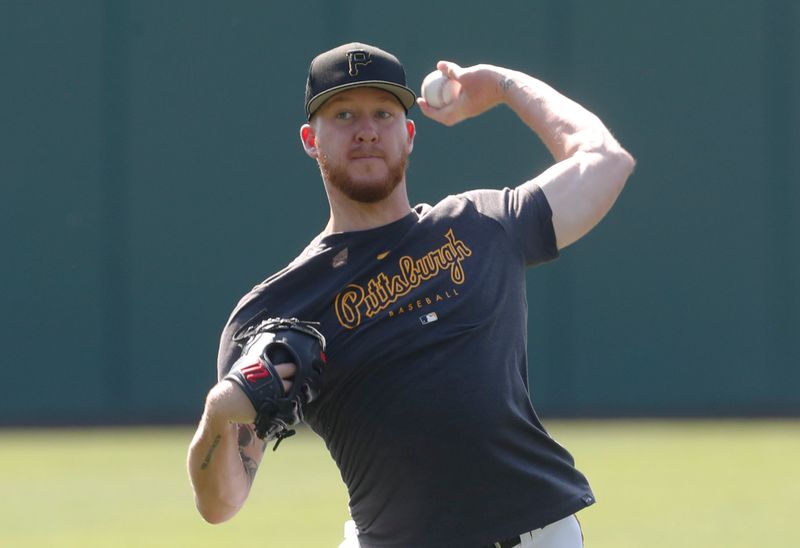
[(309, 139), (412, 131)]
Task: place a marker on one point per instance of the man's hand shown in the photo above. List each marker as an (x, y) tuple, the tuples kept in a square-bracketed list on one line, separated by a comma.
[(265, 346), (479, 89), (227, 402)]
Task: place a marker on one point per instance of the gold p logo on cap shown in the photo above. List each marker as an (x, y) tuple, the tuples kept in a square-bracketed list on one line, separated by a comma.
[(356, 57)]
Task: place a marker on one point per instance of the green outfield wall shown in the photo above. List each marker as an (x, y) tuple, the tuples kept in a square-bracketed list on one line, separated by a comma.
[(151, 172)]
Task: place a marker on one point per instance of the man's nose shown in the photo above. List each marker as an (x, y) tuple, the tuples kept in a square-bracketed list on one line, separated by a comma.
[(367, 132)]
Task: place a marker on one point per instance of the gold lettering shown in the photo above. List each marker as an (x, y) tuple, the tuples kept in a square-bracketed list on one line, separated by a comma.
[(383, 291), (427, 267), (460, 251), (372, 300), (347, 306)]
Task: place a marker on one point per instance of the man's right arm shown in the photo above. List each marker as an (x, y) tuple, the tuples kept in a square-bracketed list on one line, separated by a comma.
[(591, 167), (224, 454)]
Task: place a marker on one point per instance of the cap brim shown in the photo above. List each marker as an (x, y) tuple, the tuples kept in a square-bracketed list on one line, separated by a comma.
[(406, 97)]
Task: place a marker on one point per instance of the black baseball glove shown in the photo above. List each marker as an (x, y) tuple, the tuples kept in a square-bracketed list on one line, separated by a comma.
[(274, 341)]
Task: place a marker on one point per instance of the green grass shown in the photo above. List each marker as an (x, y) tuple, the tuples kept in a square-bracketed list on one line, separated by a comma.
[(689, 484), (659, 484)]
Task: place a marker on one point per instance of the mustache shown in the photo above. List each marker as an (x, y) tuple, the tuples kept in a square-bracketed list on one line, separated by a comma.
[(366, 152), (367, 192)]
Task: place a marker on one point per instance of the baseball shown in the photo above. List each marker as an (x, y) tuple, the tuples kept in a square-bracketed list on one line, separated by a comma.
[(438, 90)]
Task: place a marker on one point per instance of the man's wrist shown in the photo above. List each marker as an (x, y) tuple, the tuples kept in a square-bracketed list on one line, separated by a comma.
[(226, 403)]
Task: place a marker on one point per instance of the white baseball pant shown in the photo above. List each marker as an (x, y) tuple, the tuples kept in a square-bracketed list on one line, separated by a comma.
[(565, 533)]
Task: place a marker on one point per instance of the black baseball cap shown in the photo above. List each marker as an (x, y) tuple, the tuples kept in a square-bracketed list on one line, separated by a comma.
[(355, 65)]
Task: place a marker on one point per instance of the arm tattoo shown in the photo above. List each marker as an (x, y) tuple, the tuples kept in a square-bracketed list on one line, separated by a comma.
[(207, 460), (246, 439), (250, 468), (506, 83)]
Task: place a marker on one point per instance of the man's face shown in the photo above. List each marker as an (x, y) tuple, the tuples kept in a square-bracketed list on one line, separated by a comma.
[(361, 140)]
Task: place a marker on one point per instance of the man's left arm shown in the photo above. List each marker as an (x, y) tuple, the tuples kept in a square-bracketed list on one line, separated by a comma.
[(591, 167)]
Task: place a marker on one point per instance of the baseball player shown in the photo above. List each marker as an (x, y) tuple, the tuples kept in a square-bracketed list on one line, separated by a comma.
[(423, 398)]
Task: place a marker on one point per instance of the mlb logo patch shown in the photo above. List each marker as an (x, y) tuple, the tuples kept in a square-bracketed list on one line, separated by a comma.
[(428, 318)]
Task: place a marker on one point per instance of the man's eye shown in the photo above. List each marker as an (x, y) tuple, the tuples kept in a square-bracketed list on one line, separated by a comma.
[(344, 115), (383, 115)]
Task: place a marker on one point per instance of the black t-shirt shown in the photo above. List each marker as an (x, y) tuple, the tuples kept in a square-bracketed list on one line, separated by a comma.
[(425, 405)]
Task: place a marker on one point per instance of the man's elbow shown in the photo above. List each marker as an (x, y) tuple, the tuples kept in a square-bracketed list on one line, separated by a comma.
[(215, 513), (619, 164), (627, 162), (606, 152)]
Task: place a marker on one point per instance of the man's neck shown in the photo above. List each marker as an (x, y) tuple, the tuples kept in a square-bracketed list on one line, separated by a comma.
[(348, 215)]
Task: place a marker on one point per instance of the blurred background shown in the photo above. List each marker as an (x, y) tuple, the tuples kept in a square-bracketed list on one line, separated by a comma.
[(152, 173)]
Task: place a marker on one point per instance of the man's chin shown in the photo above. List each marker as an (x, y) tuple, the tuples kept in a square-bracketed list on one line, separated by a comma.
[(367, 192), (365, 187)]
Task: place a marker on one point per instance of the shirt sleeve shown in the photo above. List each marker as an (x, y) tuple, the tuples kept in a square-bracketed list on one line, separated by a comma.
[(525, 215)]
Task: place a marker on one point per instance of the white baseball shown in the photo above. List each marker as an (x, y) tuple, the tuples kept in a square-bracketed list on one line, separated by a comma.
[(438, 90)]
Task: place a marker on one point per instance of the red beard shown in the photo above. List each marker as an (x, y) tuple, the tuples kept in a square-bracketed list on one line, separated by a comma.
[(368, 192)]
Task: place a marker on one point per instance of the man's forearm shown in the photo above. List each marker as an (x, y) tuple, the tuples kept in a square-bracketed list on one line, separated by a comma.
[(222, 462)]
